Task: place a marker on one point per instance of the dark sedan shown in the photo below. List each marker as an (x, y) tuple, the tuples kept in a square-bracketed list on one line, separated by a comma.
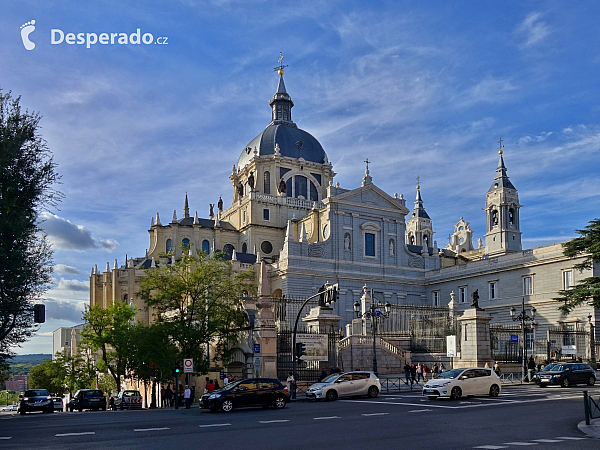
[(88, 399), (36, 400), (566, 374), (263, 392)]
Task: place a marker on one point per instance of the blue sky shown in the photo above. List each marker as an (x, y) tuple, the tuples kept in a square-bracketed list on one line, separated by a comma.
[(419, 88)]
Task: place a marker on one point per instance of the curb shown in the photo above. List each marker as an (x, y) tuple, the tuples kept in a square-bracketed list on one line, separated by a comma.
[(592, 430)]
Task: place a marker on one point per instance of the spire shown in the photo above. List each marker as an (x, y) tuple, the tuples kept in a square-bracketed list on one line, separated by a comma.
[(186, 208), (367, 179), (289, 235), (174, 216), (281, 103), (501, 180), (157, 221), (419, 209), (196, 221)]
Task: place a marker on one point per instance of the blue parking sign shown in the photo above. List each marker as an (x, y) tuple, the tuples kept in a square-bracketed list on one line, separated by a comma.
[(514, 338), (256, 348)]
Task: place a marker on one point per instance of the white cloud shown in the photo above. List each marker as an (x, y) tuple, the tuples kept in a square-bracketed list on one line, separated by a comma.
[(539, 138), (63, 269), (67, 236), (491, 90), (73, 285), (533, 30), (63, 310)]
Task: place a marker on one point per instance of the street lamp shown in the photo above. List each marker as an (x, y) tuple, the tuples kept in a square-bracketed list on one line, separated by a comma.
[(592, 343), (523, 318), (375, 314)]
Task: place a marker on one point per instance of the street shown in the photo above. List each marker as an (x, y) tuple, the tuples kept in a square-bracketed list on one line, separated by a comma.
[(521, 416)]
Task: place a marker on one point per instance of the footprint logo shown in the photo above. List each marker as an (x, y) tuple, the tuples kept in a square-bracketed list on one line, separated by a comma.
[(26, 30)]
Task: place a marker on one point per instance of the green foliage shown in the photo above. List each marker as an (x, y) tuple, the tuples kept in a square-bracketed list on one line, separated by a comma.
[(110, 330), (47, 375), (9, 397), (27, 174), (22, 364), (587, 291), (196, 301), (152, 355), (107, 384)]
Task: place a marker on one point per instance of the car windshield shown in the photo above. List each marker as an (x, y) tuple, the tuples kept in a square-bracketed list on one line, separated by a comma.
[(451, 374), (331, 378), (36, 393), (548, 367), (558, 368), (229, 386), (95, 393), (131, 394)]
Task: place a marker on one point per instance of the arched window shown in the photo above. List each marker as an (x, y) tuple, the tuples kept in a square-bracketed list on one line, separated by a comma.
[(411, 240), (511, 216), (244, 248), (494, 218), (300, 184), (228, 248), (426, 240), (125, 298), (169, 245), (314, 195), (267, 182), (205, 246), (186, 243)]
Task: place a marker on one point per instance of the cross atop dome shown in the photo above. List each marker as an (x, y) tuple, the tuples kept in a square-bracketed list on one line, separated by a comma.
[(280, 67)]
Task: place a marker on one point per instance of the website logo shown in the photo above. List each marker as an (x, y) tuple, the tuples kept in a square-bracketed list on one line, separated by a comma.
[(26, 30)]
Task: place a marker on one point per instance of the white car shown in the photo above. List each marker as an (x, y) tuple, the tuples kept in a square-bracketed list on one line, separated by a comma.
[(9, 408), (458, 382), (345, 385)]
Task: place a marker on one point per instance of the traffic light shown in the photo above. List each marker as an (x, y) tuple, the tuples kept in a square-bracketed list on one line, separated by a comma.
[(177, 369), (300, 349), (332, 293), (322, 295), (39, 313)]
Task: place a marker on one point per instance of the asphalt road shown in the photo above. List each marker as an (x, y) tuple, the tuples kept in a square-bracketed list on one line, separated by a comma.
[(521, 416)]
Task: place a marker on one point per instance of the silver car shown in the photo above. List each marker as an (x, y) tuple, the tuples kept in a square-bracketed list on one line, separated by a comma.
[(345, 385)]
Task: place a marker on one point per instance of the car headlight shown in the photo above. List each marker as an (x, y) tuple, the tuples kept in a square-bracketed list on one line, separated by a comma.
[(215, 396), (25, 399)]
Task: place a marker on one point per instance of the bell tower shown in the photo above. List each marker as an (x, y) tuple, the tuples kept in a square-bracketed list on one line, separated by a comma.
[(502, 206), (419, 229)]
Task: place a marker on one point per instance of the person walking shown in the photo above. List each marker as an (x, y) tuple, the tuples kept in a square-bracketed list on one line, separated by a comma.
[(442, 368), (210, 386), (225, 380), (531, 368), (187, 397), (168, 396), (425, 372), (407, 373), (497, 368), (419, 372), (436, 370), (413, 373), (290, 382)]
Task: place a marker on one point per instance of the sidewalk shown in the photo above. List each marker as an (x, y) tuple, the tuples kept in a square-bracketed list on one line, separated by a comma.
[(592, 430)]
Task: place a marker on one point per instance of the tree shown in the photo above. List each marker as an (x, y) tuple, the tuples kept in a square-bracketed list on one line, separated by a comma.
[(110, 331), (197, 300), (48, 375), (27, 176), (587, 291)]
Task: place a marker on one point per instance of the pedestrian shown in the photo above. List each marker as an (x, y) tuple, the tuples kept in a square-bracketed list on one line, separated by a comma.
[(216, 383), (338, 370), (419, 372), (210, 386), (497, 369), (531, 368), (169, 396), (187, 396), (225, 380), (413, 373), (290, 381), (436, 370), (331, 370), (442, 368), (407, 373), (487, 365), (323, 374), (425, 371), (162, 396)]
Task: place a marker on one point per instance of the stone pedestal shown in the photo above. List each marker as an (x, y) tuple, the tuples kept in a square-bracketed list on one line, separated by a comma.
[(266, 336), (322, 319), (475, 349)]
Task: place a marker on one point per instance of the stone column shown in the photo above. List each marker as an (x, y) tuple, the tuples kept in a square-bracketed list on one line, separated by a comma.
[(475, 349), (264, 326)]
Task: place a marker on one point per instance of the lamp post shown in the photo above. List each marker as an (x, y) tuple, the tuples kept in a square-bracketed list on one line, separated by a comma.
[(375, 314), (523, 318), (592, 343)]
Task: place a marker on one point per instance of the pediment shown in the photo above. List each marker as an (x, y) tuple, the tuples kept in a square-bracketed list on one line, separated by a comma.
[(370, 195)]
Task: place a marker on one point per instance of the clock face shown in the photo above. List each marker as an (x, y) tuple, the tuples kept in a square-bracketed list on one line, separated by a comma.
[(326, 231)]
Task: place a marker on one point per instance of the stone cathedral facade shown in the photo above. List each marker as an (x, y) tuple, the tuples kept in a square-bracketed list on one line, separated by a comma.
[(287, 210)]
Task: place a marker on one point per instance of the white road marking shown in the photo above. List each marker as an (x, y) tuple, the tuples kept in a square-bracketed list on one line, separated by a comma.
[(326, 418), (547, 440), (375, 414), (5, 438), (215, 425), (74, 434), (521, 443), (571, 438), (273, 421), (151, 429), (420, 410), (491, 447)]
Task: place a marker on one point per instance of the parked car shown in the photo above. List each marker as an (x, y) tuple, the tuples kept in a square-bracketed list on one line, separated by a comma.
[(345, 385), (58, 403), (566, 374), (36, 400), (458, 382), (263, 392), (88, 399), (128, 400), (9, 408)]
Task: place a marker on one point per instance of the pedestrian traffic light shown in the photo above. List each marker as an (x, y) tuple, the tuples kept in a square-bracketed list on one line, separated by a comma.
[(332, 293), (177, 369), (300, 349), (39, 313)]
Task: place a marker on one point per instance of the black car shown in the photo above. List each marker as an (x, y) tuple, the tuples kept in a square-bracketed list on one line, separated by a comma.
[(36, 400), (88, 399), (263, 392), (566, 374)]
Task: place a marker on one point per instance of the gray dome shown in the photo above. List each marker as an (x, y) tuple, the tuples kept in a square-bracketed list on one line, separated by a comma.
[(293, 142)]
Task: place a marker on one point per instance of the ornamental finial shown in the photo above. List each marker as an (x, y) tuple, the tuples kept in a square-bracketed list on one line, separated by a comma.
[(280, 67)]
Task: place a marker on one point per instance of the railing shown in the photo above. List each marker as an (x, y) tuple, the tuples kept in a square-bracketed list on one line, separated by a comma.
[(308, 204), (511, 378), (591, 407), (368, 341), (398, 384)]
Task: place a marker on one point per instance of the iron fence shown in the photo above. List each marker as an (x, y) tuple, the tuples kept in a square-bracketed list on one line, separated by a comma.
[(591, 407)]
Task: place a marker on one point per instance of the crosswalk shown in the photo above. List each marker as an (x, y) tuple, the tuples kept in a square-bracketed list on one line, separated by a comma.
[(532, 442)]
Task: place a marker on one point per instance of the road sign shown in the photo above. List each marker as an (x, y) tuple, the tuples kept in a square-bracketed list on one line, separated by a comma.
[(188, 365), (256, 348), (451, 346), (315, 346), (221, 375), (514, 338), (257, 363)]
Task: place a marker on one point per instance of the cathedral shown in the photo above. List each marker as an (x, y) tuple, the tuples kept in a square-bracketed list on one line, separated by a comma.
[(288, 212)]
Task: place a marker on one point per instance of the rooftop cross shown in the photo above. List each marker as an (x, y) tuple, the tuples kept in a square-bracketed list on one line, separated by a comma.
[(418, 182), (280, 67), (367, 161), (501, 146)]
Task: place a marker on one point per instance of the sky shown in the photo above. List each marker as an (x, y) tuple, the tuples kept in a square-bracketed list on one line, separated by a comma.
[(419, 88)]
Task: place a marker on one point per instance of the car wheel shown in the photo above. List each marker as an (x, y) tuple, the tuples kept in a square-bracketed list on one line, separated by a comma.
[(494, 390), (279, 402), (373, 392), (591, 381), (542, 385), (80, 409), (331, 395), (565, 382), (227, 406), (431, 397), (456, 393)]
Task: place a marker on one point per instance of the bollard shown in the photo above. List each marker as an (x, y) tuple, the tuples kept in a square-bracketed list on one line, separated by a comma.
[(586, 407)]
